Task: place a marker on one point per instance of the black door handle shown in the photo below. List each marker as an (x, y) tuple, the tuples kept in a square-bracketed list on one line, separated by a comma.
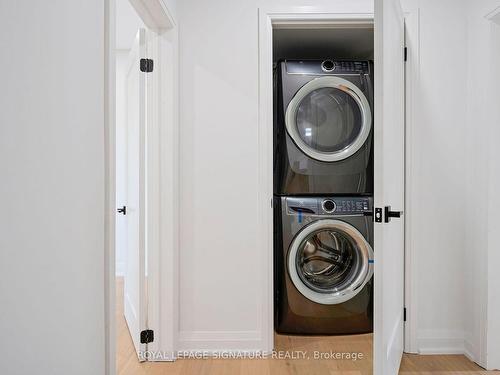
[(122, 210), (388, 214)]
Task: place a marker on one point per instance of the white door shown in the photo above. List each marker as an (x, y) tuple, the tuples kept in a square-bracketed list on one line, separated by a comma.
[(389, 186), (135, 270)]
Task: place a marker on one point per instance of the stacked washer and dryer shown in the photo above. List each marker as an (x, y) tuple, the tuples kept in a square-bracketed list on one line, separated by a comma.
[(323, 187)]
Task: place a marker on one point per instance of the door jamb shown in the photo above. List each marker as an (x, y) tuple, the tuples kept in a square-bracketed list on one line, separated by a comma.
[(109, 72), (412, 71), (270, 18), (487, 355), (163, 289)]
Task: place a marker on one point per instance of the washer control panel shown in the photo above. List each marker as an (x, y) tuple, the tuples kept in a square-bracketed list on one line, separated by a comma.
[(329, 205), (353, 205), (332, 206)]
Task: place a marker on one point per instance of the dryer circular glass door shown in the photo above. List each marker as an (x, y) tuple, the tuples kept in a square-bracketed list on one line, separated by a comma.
[(329, 118), (330, 261)]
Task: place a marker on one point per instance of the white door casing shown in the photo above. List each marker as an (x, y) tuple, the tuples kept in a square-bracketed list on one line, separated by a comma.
[(389, 158), (135, 305)]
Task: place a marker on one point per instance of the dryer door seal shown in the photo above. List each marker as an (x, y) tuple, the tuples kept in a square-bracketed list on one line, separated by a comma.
[(329, 119), (329, 261)]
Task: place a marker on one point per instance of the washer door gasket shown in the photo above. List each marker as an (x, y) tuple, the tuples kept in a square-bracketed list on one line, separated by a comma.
[(330, 261), (344, 108)]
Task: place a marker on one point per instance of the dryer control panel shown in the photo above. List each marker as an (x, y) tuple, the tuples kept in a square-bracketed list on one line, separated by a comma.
[(326, 67), (330, 206)]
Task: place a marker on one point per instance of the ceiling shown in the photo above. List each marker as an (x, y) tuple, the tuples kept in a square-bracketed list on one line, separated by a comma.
[(127, 24)]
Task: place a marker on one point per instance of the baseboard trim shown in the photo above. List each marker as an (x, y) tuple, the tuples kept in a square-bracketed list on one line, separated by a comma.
[(440, 342), (216, 342), (468, 351)]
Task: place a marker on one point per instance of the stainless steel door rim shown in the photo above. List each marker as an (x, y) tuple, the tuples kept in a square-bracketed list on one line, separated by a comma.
[(356, 281), (343, 85)]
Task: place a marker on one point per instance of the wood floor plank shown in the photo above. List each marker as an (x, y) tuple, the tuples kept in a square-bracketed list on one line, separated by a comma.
[(127, 363)]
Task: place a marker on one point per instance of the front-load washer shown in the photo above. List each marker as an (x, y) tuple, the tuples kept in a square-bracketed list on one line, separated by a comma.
[(323, 265), (323, 127)]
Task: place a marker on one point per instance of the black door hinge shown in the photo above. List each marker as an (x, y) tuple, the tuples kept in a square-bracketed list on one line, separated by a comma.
[(147, 336), (122, 210), (404, 314), (146, 65), (406, 53)]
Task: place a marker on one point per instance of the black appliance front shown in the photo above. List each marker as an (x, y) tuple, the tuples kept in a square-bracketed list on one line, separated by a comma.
[(323, 127), (326, 259)]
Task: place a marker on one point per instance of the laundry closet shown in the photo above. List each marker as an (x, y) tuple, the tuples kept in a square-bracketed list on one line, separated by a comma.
[(334, 140), (323, 80)]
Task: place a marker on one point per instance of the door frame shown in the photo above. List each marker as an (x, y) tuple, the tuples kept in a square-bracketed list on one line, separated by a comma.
[(162, 181), (270, 18), (488, 355), (412, 75)]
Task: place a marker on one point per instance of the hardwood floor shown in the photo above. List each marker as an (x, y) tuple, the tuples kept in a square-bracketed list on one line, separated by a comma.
[(127, 363)]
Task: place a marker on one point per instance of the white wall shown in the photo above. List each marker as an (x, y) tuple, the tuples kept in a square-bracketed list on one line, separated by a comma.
[(482, 325), (437, 184), (454, 185), (172, 6), (52, 187), (220, 279)]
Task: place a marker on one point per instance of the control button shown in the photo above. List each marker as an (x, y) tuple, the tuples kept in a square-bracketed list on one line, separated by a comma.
[(328, 65), (329, 205)]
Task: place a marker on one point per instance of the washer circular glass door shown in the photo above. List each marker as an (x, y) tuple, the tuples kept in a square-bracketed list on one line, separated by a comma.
[(329, 261), (329, 118)]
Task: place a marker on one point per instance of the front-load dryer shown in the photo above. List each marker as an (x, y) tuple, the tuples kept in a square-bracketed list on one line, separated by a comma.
[(323, 127), (323, 265)]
